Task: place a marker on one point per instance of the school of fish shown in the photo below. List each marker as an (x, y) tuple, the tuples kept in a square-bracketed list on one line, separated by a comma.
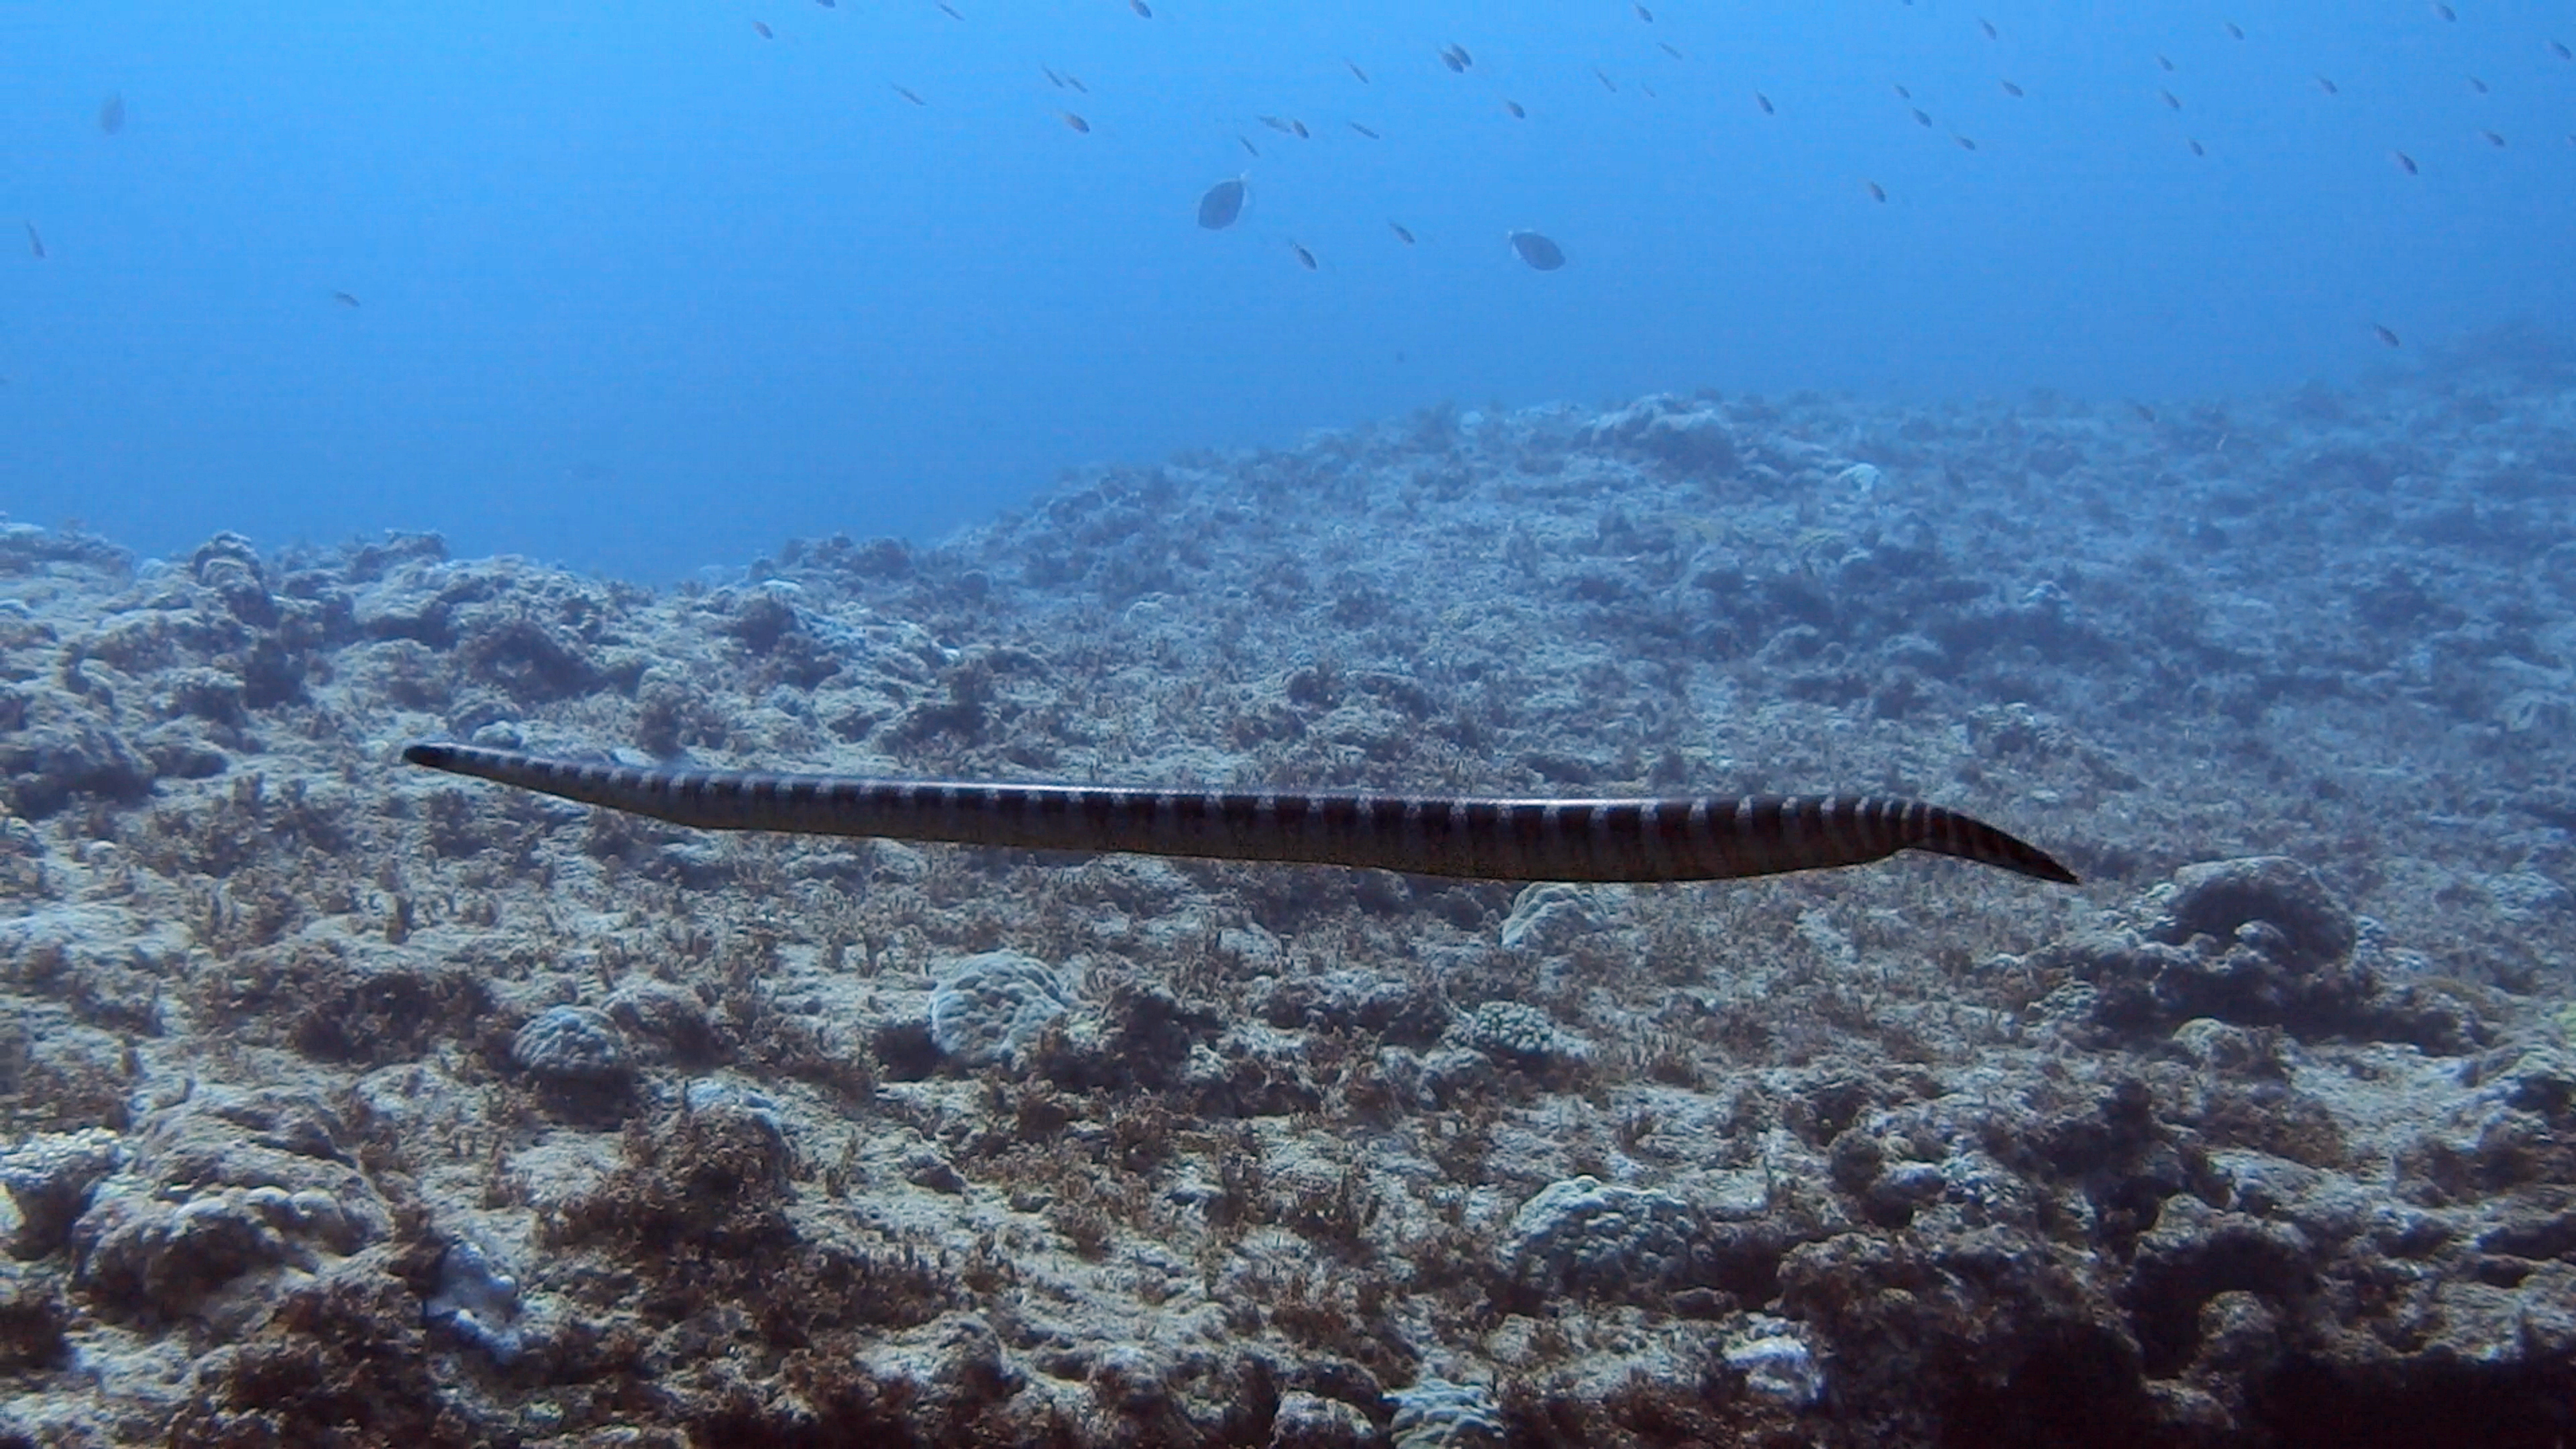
[(1225, 202)]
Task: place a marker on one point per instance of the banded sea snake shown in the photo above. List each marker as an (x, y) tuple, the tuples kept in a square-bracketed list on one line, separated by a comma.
[(1688, 838)]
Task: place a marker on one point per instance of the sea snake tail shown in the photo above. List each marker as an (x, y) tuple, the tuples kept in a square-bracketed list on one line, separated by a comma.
[(1689, 838)]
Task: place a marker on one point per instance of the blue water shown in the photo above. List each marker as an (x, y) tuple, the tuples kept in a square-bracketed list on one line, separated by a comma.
[(639, 290)]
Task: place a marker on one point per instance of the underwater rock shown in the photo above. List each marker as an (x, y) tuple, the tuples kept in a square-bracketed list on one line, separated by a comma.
[(32, 1323), (228, 567), (225, 1184), (2255, 942), (528, 658), (990, 1007), (1549, 917), (924, 1167), (48, 1179), (416, 596), (760, 619), (2541, 1080), (25, 546), (1522, 1034), (1776, 1360), (369, 562), (1138, 1034), (151, 1251), (1404, 1011), (1581, 1234), (477, 1301), (671, 1021), (1690, 438), (572, 1046), (1438, 1079), (1311, 1421), (1438, 1414), (719, 1094), (136, 1253), (2518, 1129), (2219, 897), (180, 750), (56, 755)]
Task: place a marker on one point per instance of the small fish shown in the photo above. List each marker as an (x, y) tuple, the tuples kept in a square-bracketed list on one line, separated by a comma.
[(2327, 86), (765, 32), (1668, 48), (1988, 27), (1277, 124), (1403, 233), (35, 243), (2385, 335), (1075, 81), (827, 4), (1607, 83), (1877, 192), (1764, 102), (1143, 10), (1464, 58), (2445, 11), (1305, 258), (909, 94), (1965, 143), (344, 299), (1355, 70), (111, 113), (2492, 138), (2172, 102), (2234, 30), (1902, 93), (1247, 143), (1453, 62), (1922, 118), (1053, 79), (2197, 149), (2477, 86), (1643, 13), (2559, 49), (949, 10), (1541, 254), (2145, 413), (1221, 204), (1646, 89), (1298, 129), (1075, 123), (2165, 62), (2405, 163), (2010, 89), (1515, 108), (1365, 131)]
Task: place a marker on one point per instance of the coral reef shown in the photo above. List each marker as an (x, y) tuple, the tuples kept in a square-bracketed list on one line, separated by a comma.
[(345, 1103)]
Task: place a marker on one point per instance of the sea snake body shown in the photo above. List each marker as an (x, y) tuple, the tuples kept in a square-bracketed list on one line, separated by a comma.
[(1689, 838)]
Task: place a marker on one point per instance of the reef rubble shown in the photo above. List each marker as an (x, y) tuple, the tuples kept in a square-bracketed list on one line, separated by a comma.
[(346, 1103)]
